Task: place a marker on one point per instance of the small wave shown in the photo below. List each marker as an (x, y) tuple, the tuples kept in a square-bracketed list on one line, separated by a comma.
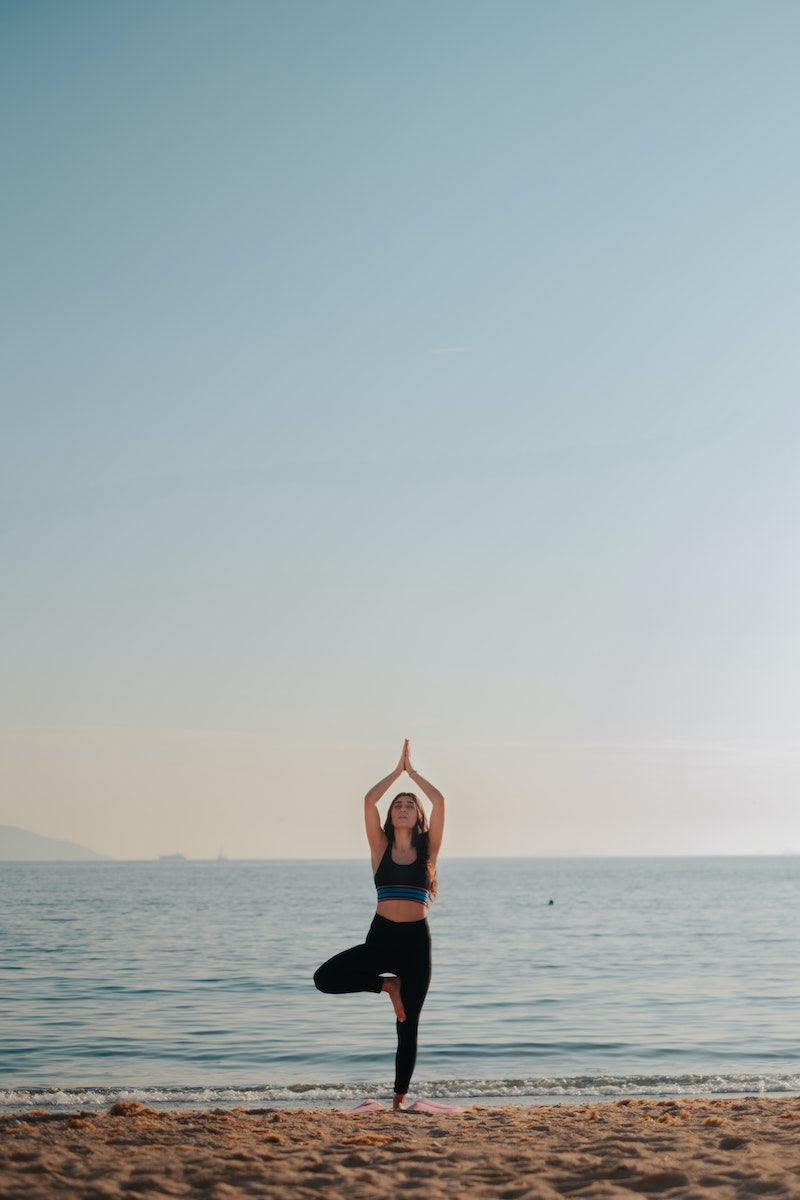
[(573, 1089)]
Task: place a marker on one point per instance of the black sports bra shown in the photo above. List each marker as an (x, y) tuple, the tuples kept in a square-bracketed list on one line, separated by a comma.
[(401, 881)]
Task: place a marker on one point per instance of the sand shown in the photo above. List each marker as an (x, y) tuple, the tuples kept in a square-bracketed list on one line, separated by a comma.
[(720, 1150)]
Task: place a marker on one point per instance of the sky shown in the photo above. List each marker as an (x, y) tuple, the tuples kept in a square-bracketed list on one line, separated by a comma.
[(376, 370)]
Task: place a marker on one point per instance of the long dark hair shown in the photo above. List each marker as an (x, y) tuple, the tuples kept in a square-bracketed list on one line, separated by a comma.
[(420, 838)]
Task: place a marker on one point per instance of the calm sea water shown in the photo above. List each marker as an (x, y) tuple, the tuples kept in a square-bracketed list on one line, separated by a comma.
[(190, 983)]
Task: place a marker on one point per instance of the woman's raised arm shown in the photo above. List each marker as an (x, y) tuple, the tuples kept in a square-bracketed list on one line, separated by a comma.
[(437, 801), (375, 835)]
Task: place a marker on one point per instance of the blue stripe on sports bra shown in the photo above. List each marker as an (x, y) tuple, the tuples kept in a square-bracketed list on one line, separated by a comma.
[(397, 892)]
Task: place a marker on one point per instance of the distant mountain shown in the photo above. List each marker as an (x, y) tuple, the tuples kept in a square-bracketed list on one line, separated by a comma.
[(19, 845)]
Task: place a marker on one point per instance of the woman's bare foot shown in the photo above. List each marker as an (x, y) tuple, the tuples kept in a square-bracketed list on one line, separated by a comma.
[(392, 986), (398, 1103)]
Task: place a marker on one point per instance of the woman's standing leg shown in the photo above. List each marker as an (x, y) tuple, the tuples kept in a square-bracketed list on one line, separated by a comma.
[(414, 968), (405, 950)]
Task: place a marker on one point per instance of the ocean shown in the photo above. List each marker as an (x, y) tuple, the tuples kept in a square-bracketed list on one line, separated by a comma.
[(189, 984)]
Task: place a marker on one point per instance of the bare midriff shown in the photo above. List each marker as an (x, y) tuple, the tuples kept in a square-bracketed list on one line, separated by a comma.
[(402, 910)]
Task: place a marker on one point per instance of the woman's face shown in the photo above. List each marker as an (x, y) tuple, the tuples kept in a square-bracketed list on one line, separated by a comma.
[(404, 813)]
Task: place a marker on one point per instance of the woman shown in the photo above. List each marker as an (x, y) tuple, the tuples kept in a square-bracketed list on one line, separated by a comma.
[(404, 853)]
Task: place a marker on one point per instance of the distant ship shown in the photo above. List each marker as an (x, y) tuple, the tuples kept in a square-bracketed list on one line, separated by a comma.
[(172, 858)]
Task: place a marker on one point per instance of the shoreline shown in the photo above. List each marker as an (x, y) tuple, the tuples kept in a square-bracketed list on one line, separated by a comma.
[(684, 1147), (67, 1107), (97, 1099)]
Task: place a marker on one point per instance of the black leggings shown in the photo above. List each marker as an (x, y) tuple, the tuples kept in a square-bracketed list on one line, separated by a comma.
[(392, 947)]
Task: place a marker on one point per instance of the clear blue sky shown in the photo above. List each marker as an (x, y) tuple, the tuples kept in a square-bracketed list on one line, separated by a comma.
[(375, 370)]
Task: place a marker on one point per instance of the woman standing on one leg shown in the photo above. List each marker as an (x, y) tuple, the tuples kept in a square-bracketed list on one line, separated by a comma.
[(404, 853)]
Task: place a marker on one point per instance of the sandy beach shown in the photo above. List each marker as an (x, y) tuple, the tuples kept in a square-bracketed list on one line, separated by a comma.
[(723, 1149)]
